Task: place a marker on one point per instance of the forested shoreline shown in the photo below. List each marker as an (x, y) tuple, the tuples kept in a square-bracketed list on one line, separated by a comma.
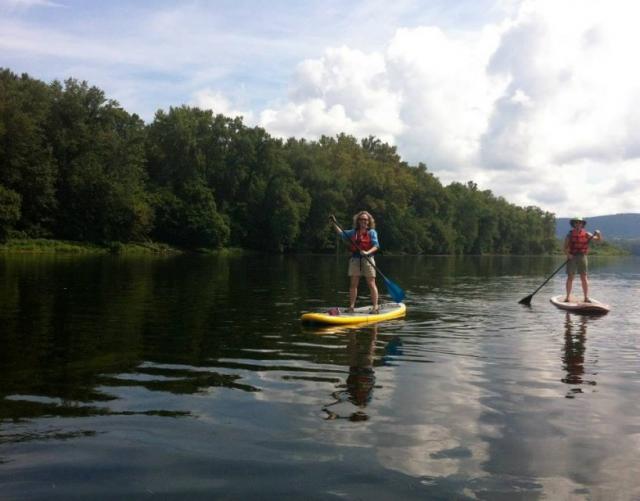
[(74, 165)]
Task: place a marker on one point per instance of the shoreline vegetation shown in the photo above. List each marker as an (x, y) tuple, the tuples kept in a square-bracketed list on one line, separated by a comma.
[(51, 246), (75, 167)]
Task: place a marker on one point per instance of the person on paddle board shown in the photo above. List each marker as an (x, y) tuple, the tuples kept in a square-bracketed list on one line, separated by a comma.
[(576, 247), (363, 240)]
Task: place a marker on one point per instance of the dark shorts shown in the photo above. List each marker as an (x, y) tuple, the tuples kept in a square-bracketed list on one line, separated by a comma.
[(577, 264)]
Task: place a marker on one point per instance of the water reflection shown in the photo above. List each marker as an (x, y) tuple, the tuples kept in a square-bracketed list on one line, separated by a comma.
[(200, 366), (358, 388), (573, 357)]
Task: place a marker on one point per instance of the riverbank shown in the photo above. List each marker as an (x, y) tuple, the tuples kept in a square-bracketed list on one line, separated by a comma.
[(47, 246), (50, 246)]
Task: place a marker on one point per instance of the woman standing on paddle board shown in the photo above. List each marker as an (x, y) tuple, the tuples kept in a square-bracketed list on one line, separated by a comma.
[(576, 247), (364, 244)]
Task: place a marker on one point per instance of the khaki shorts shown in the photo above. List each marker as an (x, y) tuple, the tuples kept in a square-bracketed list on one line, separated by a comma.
[(577, 264), (361, 267)]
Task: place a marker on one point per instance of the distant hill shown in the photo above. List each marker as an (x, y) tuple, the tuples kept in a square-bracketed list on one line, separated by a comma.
[(613, 227)]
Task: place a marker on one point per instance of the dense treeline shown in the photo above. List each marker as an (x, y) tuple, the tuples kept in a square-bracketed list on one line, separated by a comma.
[(75, 165)]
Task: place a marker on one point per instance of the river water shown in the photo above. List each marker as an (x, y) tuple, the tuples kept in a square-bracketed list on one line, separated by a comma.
[(191, 377)]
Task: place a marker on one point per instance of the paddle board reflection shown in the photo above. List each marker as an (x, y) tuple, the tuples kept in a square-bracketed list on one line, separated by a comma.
[(573, 357), (358, 389)]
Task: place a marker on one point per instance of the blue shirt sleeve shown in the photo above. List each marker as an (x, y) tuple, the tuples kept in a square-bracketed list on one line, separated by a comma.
[(374, 238), (347, 234)]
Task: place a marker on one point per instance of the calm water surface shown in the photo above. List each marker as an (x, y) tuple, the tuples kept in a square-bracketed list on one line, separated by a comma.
[(192, 377)]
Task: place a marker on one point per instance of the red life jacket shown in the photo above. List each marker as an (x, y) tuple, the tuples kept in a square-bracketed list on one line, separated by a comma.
[(360, 242), (578, 242)]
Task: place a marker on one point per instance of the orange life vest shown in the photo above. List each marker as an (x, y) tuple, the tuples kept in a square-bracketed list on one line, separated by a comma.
[(360, 242), (578, 242)]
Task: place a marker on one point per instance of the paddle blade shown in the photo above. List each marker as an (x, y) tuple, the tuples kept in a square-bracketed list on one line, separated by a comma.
[(526, 300), (394, 291)]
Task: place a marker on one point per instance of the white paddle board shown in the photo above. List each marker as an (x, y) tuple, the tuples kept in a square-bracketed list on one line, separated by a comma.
[(592, 307)]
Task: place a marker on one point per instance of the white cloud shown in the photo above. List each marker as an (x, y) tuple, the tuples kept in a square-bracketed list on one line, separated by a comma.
[(344, 91), (574, 61), (445, 91), (210, 99), (541, 107), (624, 190), (310, 118)]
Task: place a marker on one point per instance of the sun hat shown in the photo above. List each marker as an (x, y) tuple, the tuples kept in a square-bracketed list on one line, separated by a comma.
[(576, 219)]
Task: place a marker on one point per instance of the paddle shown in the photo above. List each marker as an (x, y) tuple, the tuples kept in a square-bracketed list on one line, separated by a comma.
[(395, 291), (527, 300)]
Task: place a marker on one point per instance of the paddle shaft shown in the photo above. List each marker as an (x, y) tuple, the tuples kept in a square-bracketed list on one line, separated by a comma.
[(548, 278)]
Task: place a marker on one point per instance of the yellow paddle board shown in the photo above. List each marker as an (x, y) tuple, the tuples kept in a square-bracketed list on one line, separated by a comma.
[(341, 316)]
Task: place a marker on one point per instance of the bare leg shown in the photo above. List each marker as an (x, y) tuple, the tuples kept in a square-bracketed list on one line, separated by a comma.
[(569, 287), (585, 285), (353, 291), (373, 288)]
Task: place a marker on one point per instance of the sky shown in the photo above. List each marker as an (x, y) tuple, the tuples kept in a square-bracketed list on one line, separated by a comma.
[(537, 101)]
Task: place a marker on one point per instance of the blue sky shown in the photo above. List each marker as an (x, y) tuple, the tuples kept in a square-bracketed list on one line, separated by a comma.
[(534, 100)]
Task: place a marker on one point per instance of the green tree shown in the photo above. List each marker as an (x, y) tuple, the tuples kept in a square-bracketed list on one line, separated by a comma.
[(326, 184), (190, 219), (74, 164), (184, 154), (99, 149), (27, 165), (10, 203)]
